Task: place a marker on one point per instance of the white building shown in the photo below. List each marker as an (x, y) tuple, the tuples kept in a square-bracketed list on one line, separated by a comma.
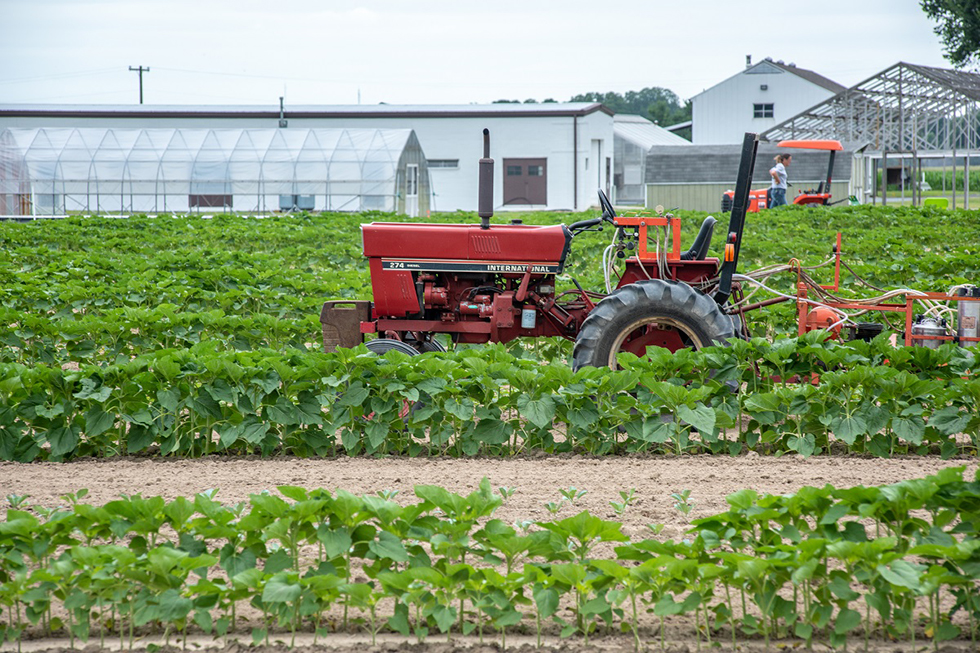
[(547, 156), (756, 99)]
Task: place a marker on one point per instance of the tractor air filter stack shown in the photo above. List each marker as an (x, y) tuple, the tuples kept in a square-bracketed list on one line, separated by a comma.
[(968, 316), (485, 207)]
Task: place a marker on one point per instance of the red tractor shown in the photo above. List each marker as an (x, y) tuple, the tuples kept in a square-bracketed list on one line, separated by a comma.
[(760, 198), (479, 283), (482, 283)]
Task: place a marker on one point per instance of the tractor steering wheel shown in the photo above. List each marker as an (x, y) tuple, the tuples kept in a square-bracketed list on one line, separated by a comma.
[(608, 212)]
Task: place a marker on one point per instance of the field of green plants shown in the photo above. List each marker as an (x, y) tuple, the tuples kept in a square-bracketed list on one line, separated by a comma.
[(189, 337), (825, 564)]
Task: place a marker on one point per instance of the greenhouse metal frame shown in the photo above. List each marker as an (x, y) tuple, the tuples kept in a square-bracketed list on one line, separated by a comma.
[(897, 118), (56, 171)]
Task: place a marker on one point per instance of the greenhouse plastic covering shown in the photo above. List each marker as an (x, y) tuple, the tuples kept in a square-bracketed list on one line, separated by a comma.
[(51, 171)]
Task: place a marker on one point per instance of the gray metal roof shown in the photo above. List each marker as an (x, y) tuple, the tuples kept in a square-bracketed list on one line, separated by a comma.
[(905, 107), (643, 133), (305, 111), (810, 76)]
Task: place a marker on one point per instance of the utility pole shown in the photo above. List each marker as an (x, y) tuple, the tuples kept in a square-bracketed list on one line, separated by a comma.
[(140, 70)]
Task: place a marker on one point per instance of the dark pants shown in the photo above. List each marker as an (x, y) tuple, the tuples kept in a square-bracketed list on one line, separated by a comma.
[(778, 197)]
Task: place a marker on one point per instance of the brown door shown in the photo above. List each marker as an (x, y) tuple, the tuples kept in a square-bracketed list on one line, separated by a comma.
[(526, 181)]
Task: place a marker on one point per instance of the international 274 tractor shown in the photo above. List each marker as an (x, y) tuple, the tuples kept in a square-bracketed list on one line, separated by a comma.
[(483, 283)]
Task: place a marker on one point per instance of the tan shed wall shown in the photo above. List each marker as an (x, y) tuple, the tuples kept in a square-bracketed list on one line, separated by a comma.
[(707, 197)]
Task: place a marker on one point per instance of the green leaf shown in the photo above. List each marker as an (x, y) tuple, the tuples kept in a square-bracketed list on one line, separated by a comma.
[(547, 601), (492, 431), (354, 397), (949, 420), (445, 617), (903, 574), (336, 542), (139, 438), (701, 417), (388, 546), (169, 399), (539, 411), (377, 432), (847, 620), (92, 390), (203, 620), (849, 428), (63, 440), (97, 421), (460, 409), (280, 591), (399, 620)]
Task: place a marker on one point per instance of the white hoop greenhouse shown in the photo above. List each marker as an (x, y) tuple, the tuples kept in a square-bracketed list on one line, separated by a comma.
[(55, 171)]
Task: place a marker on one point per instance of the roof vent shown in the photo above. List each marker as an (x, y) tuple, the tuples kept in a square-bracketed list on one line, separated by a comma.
[(748, 60), (791, 64), (780, 62)]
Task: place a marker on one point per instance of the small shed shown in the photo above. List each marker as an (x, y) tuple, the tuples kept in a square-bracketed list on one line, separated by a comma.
[(60, 170), (635, 136)]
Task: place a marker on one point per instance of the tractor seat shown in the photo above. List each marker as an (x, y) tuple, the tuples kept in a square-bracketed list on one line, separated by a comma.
[(700, 247)]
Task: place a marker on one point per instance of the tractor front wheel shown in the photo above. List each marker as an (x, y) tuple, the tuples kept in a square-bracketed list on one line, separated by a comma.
[(649, 313)]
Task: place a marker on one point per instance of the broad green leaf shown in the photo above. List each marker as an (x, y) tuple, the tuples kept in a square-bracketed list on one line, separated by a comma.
[(701, 417), (281, 591), (539, 411)]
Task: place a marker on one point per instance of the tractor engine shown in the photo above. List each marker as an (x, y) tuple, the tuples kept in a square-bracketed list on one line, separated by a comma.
[(477, 284)]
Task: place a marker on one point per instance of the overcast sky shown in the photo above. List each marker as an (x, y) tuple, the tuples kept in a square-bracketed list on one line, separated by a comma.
[(433, 51)]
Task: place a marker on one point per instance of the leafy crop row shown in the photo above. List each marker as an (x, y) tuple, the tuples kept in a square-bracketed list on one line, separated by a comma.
[(122, 334), (870, 398), (898, 561), (93, 290)]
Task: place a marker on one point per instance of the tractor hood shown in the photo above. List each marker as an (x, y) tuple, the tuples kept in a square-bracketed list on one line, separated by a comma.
[(515, 244)]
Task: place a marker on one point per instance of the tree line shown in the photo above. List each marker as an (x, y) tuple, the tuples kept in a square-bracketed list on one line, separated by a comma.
[(659, 105)]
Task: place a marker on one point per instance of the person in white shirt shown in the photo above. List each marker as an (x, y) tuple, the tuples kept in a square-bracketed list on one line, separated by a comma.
[(778, 174)]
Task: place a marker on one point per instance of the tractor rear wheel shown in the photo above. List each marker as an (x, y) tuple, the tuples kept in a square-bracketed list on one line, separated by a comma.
[(380, 346), (652, 312)]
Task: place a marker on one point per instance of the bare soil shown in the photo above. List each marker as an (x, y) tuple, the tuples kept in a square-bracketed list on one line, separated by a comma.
[(536, 481)]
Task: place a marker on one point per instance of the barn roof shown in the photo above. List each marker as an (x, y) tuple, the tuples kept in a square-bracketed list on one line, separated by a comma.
[(544, 109)]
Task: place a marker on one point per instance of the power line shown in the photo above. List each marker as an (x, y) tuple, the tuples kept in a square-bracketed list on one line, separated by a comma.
[(140, 70), (82, 73)]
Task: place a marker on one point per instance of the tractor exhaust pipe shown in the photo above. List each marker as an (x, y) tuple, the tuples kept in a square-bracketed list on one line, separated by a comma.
[(485, 207)]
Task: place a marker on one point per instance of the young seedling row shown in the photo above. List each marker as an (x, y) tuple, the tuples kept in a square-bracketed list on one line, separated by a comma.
[(824, 564)]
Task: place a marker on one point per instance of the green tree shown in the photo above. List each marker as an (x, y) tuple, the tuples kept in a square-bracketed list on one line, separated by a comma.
[(660, 105), (958, 27)]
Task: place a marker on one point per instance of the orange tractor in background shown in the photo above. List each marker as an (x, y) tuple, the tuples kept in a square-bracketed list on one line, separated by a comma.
[(760, 198)]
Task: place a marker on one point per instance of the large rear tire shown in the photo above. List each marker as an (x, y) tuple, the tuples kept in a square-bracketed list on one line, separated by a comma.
[(380, 346), (647, 313)]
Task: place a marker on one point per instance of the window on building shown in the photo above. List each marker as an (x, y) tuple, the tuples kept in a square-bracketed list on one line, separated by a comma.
[(762, 111), (513, 171), (535, 171), (443, 163)]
